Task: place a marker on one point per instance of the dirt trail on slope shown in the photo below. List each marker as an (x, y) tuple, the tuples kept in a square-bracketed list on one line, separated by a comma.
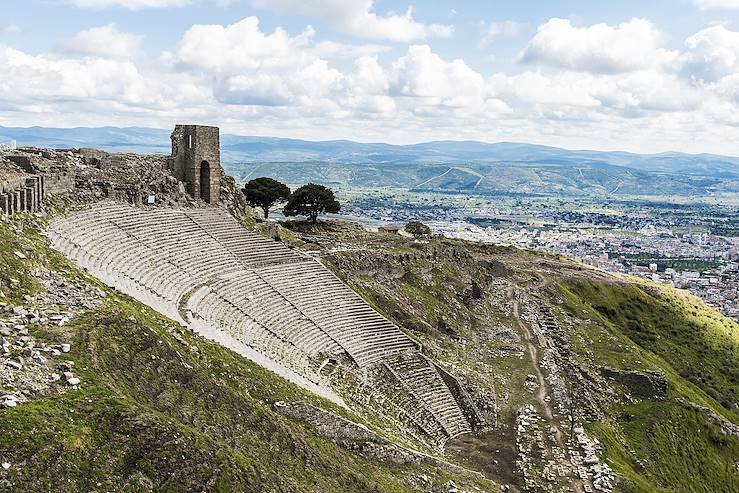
[(542, 394)]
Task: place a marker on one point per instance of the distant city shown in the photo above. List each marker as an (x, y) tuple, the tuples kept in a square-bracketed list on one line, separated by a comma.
[(689, 245)]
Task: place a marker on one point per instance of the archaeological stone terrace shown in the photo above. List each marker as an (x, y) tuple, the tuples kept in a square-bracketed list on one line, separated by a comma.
[(159, 229)]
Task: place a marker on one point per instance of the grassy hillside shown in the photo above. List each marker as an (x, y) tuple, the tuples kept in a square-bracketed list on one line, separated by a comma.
[(159, 409), (699, 343), (669, 444), (655, 444)]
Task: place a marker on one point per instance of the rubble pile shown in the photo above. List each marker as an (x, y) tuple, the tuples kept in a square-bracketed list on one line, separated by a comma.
[(584, 453), (30, 368), (543, 464), (591, 392)]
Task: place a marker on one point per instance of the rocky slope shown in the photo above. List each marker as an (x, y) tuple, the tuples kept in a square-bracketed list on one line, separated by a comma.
[(100, 393), (591, 382), (585, 382)]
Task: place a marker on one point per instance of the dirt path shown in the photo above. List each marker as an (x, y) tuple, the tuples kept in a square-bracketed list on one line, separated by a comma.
[(542, 394)]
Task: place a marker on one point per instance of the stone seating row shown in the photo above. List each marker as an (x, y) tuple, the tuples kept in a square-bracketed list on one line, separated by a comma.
[(250, 248), (242, 326), (248, 290), (422, 379), (363, 333), (285, 305)]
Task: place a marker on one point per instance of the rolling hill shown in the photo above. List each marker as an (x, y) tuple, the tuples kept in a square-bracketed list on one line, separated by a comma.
[(449, 166)]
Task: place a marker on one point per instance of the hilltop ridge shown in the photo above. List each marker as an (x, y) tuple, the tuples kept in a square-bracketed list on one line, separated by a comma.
[(458, 166)]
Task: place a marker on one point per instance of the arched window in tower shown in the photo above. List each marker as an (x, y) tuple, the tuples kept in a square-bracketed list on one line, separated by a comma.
[(205, 181)]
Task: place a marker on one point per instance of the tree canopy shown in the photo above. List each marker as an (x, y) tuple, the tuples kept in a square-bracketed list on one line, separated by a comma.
[(265, 192), (417, 229), (311, 200)]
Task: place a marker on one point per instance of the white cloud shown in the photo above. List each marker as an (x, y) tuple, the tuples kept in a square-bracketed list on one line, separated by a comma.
[(291, 84), (333, 49), (422, 73), (600, 48), (505, 29), (240, 46), (535, 88), (717, 4), (252, 67), (103, 41), (711, 54), (43, 78), (9, 28), (128, 4), (358, 18)]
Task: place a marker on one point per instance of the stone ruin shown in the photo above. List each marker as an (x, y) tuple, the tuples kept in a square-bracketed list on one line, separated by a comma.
[(272, 304), (191, 174), (26, 177), (200, 267), (21, 193), (196, 160)]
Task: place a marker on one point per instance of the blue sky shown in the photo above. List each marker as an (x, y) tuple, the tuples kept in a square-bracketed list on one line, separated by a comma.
[(645, 76)]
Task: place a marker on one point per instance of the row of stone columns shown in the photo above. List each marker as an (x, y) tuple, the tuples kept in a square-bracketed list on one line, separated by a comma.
[(26, 198)]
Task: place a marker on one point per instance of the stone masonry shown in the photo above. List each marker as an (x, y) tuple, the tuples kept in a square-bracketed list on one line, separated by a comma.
[(196, 160), (22, 194)]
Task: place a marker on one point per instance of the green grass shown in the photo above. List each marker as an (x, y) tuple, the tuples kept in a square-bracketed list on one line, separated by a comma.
[(636, 326), (15, 278), (699, 343), (679, 449), (151, 414)]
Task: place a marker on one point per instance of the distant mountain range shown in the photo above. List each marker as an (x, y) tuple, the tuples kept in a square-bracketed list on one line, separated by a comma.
[(456, 166)]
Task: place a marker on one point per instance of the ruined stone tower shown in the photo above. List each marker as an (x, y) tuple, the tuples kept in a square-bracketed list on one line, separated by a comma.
[(196, 154)]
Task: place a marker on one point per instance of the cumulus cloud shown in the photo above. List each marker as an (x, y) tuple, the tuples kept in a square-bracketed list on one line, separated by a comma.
[(535, 88), (280, 82), (240, 46), (711, 54), (253, 67), (600, 48), (717, 4), (422, 73), (329, 48), (128, 4), (357, 17), (103, 41), (44, 78)]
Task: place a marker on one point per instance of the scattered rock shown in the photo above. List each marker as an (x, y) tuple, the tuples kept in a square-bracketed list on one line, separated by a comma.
[(9, 400)]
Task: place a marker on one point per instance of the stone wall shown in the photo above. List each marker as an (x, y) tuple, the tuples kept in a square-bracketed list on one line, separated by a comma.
[(463, 398), (645, 385), (196, 160), (58, 181), (24, 193)]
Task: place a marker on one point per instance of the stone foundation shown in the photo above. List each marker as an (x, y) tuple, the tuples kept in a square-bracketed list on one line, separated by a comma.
[(645, 385)]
